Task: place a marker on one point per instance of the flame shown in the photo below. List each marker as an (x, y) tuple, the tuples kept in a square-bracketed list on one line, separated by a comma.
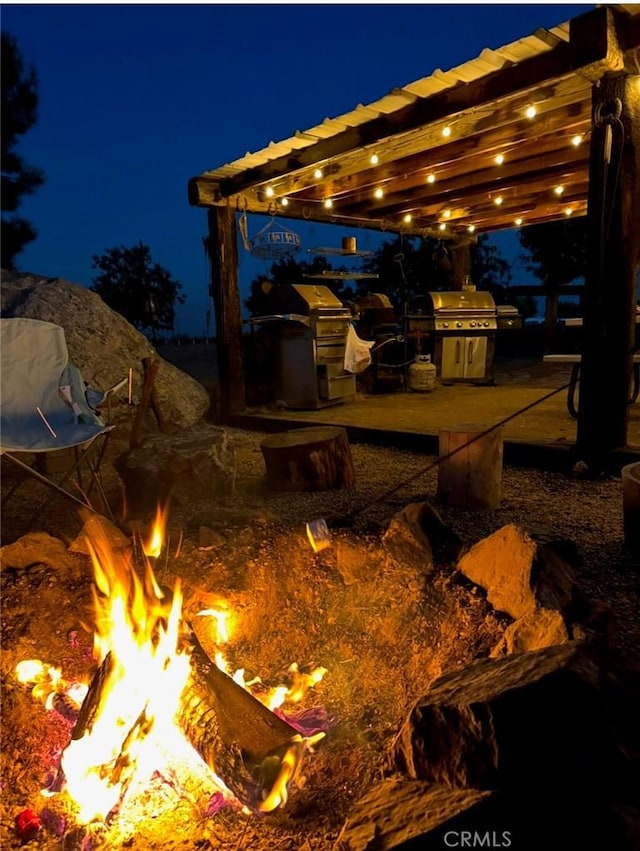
[(132, 729), (152, 547)]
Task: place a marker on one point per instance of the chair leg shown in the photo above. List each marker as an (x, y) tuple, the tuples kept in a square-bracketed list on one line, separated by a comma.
[(94, 467)]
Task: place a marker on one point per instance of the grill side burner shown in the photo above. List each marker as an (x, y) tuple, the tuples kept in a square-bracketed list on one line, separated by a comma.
[(308, 328), (460, 328)]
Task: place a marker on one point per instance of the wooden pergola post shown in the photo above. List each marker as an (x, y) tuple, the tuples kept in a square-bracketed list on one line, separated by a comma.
[(613, 226), (225, 291)]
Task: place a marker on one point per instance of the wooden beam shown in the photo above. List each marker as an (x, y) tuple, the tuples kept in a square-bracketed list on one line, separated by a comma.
[(223, 254), (465, 156), (483, 128), (610, 282)]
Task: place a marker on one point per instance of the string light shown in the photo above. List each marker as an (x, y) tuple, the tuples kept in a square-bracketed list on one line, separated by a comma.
[(498, 200), (407, 218), (317, 173), (577, 140), (499, 159), (518, 221), (471, 228), (531, 112), (447, 214), (443, 226), (379, 192), (568, 211), (284, 202), (558, 190), (269, 192), (446, 131), (374, 159), (328, 203), (431, 178)]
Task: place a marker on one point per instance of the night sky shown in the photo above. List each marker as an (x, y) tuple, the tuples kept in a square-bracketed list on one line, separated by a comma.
[(136, 99)]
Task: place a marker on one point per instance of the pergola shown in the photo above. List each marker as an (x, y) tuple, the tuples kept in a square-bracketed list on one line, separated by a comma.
[(540, 129)]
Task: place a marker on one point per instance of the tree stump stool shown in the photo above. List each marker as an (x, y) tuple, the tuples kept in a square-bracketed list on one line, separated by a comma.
[(309, 459), (470, 472)]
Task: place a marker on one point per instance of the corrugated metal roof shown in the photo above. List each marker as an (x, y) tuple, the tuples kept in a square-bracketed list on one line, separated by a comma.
[(488, 61)]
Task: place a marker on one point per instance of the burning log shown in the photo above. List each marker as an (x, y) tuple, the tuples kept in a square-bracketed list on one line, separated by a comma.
[(250, 748)]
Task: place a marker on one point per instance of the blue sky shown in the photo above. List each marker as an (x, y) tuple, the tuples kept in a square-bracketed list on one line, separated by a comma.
[(136, 99)]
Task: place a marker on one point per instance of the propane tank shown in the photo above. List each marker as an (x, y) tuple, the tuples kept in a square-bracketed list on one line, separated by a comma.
[(422, 374)]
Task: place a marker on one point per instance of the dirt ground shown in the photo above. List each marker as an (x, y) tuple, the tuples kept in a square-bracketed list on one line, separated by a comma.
[(380, 632)]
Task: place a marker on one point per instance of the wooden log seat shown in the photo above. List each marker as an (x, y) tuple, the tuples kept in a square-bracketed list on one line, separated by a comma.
[(309, 459), (470, 469)]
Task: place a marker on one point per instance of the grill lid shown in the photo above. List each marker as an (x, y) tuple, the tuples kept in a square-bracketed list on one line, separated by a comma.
[(303, 299), (478, 301)]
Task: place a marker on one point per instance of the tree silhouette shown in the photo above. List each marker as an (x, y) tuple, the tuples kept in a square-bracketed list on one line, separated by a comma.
[(19, 114), (556, 253), (289, 271), (139, 289)]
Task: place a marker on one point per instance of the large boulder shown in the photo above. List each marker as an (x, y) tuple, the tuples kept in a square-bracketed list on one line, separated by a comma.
[(102, 344)]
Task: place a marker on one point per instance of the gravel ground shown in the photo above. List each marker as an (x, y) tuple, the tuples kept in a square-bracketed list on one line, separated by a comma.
[(587, 512)]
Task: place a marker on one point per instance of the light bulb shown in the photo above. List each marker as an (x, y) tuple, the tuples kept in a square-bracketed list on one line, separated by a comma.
[(379, 192), (317, 173), (431, 178), (518, 221), (531, 112), (407, 218), (471, 228), (446, 131), (284, 202), (558, 190), (577, 140), (447, 214), (374, 159), (498, 200), (328, 203), (443, 226), (568, 211), (269, 192), (499, 159)]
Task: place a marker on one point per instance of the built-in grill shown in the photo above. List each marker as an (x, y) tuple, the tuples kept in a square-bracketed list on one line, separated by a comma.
[(459, 330), (308, 326)]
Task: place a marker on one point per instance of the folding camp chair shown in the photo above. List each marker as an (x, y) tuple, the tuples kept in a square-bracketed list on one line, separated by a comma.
[(46, 407)]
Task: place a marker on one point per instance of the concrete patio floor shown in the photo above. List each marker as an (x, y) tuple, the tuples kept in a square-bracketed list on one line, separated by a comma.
[(534, 431)]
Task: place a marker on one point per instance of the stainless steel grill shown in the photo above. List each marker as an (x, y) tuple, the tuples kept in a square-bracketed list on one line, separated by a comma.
[(308, 326), (459, 328)]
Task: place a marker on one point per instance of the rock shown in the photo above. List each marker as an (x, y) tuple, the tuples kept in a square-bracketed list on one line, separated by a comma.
[(209, 539), (196, 464), (528, 721), (395, 811), (401, 815), (518, 573), (103, 345), (417, 534), (36, 548), (99, 528), (534, 630)]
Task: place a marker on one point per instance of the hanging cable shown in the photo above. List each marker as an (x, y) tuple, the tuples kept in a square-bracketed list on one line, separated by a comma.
[(346, 519)]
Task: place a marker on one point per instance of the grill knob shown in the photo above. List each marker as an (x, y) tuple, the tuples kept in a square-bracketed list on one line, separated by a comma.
[(445, 324), (472, 324), (486, 323), (458, 324)]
